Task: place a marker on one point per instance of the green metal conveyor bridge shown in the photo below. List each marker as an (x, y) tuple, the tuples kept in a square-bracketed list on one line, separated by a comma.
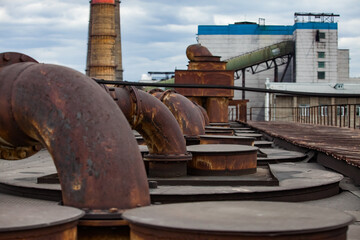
[(266, 56)]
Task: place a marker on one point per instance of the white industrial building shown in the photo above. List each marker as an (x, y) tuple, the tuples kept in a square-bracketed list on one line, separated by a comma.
[(313, 57)]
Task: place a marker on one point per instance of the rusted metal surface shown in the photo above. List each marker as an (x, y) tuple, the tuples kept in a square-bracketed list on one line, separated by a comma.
[(298, 182), (186, 113), (206, 69), (9, 58), (159, 129), (222, 159), (237, 220), (340, 143), (7, 150), (204, 113), (209, 77), (262, 177), (67, 231), (217, 109), (201, 58), (240, 109), (92, 146), (218, 139), (225, 125), (103, 233), (194, 51), (227, 132), (257, 136), (220, 128), (29, 219), (18, 153)]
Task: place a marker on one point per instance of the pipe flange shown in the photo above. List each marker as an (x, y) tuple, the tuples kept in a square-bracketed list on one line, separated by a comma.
[(167, 92), (154, 90), (8, 58), (18, 153), (133, 91)]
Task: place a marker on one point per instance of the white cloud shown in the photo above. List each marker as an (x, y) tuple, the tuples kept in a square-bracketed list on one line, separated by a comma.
[(191, 28), (155, 33), (190, 14)]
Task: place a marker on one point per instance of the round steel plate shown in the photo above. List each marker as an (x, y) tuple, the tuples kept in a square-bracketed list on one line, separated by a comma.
[(270, 220), (224, 139), (19, 214), (220, 148), (257, 136), (222, 159)]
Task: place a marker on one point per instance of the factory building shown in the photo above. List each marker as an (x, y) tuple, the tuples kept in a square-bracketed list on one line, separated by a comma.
[(305, 52)]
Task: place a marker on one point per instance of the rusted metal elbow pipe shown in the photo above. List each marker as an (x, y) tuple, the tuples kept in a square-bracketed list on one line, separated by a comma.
[(204, 114), (88, 137), (146, 114), (186, 113)]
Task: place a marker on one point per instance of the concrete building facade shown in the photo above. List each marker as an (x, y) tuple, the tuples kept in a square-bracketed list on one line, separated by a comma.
[(316, 57), (330, 110)]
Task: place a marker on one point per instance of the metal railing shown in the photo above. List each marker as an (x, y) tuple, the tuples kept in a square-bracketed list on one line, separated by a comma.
[(340, 115)]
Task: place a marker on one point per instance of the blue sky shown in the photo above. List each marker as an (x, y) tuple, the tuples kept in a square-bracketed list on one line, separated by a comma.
[(155, 33)]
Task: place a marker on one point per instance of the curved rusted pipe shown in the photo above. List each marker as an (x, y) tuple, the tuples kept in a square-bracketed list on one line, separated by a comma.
[(88, 137), (153, 120), (147, 115), (187, 114), (204, 113)]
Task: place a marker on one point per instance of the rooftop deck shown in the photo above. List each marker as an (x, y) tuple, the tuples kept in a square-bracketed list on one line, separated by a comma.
[(337, 148)]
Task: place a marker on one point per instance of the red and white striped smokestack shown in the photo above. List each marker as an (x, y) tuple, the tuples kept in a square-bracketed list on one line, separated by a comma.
[(104, 42)]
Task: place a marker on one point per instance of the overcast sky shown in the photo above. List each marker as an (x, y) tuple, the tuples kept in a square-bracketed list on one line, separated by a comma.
[(155, 33)]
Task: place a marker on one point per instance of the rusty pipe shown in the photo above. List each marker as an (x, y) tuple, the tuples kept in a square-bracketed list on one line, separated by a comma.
[(157, 125), (186, 113), (204, 113), (86, 134)]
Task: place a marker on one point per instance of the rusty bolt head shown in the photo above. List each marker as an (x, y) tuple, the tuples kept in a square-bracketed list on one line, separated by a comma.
[(6, 57), (21, 154), (153, 184), (37, 147), (113, 210), (24, 58), (5, 154)]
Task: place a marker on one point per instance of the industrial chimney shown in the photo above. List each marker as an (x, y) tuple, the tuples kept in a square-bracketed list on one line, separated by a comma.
[(104, 42)]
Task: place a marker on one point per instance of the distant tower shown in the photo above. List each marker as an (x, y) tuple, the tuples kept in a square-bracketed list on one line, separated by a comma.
[(104, 42)]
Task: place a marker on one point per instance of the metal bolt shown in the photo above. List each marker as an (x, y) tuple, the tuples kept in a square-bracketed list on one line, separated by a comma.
[(5, 154), (23, 58), (153, 184), (113, 210), (21, 154), (37, 147), (6, 57)]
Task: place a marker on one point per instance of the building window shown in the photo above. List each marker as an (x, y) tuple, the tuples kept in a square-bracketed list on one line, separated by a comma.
[(304, 110), (341, 111), (319, 35), (357, 110), (321, 75), (321, 54), (321, 64), (323, 111)]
